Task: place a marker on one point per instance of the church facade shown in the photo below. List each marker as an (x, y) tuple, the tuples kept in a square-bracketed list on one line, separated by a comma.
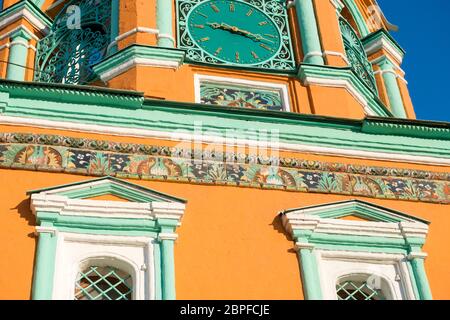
[(215, 149)]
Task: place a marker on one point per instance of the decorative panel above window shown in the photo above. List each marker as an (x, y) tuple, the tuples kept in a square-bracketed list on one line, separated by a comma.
[(248, 34), (357, 55), (78, 40), (241, 93)]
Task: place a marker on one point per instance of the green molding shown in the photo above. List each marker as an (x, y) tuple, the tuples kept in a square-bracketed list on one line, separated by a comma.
[(87, 105), (114, 186), (33, 8), (359, 19), (72, 94), (361, 209), (382, 34), (136, 51), (347, 73), (408, 128), (96, 225)]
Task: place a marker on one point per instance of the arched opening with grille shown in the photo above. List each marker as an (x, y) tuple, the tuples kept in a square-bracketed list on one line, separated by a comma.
[(356, 54), (78, 40), (104, 279), (363, 287)]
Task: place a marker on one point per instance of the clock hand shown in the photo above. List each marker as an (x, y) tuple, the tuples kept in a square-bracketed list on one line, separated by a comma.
[(235, 29), (259, 37)]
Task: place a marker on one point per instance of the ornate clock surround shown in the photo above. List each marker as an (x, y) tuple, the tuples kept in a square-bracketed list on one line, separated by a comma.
[(276, 10)]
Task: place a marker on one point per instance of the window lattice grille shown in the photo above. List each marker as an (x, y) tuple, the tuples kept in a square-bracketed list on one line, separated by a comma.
[(357, 55), (103, 283), (352, 290), (74, 45)]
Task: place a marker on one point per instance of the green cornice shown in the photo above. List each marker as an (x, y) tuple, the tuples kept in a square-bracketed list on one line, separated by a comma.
[(61, 93), (27, 4), (346, 73), (362, 209), (118, 187), (95, 225), (408, 128), (135, 51), (383, 34), (123, 109)]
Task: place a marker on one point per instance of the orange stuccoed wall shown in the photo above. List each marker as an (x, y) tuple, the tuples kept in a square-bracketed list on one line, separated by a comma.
[(231, 244)]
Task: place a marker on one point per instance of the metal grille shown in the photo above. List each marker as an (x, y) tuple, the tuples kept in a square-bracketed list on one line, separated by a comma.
[(351, 290), (68, 53), (103, 283), (357, 55)]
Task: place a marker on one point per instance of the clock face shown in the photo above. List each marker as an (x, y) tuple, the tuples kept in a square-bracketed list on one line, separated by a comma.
[(234, 32)]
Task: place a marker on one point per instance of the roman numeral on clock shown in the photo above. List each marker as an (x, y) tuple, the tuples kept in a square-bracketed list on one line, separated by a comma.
[(262, 45), (214, 7)]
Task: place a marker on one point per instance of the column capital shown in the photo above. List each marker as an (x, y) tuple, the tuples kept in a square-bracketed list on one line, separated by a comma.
[(167, 236), (21, 33), (417, 255), (304, 245)]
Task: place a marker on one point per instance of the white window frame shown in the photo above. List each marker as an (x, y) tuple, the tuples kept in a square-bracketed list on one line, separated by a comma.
[(134, 255), (392, 268)]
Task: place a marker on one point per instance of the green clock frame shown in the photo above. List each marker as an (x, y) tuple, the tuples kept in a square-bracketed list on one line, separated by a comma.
[(248, 46)]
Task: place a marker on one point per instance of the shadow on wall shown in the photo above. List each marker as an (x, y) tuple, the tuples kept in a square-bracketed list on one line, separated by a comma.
[(23, 208), (277, 225)]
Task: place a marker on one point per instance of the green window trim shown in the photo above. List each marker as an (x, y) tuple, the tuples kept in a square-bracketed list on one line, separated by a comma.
[(161, 217), (305, 225)]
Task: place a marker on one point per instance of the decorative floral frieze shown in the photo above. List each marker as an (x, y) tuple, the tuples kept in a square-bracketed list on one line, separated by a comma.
[(241, 96), (100, 158)]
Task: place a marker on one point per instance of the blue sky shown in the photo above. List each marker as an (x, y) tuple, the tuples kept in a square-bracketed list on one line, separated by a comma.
[(425, 35)]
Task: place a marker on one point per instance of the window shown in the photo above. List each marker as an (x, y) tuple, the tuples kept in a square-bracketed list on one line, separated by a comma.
[(238, 93), (118, 249), (356, 54), (103, 283), (355, 289), (354, 250), (78, 40)]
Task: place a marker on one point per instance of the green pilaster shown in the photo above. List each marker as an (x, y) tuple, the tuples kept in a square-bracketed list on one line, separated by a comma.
[(393, 91), (114, 25), (18, 54), (44, 266), (418, 267), (168, 268), (312, 48), (310, 274), (164, 9)]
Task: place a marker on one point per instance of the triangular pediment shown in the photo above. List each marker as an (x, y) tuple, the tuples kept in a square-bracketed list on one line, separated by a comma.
[(109, 189), (355, 210)]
